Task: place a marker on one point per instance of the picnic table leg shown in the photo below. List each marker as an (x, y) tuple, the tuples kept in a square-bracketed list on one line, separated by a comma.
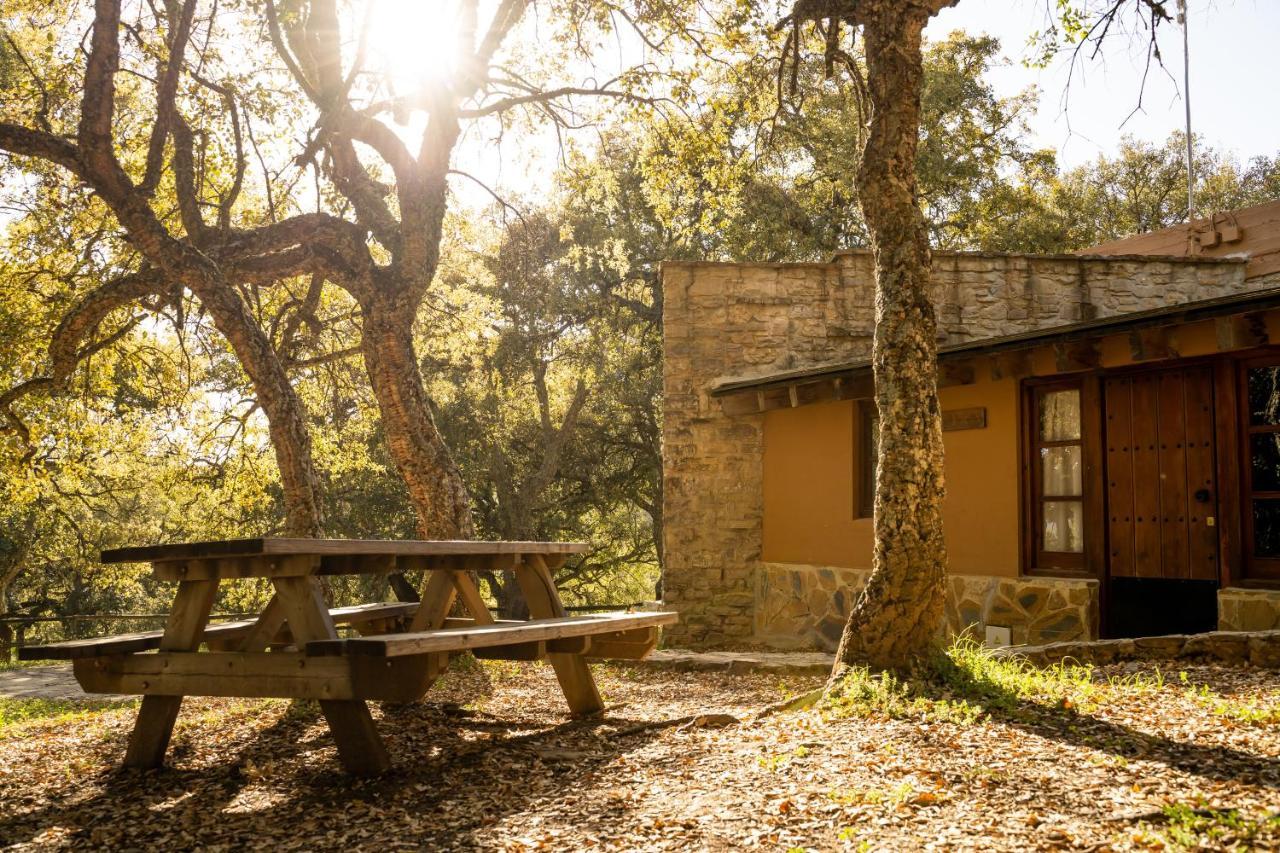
[(574, 675), (266, 627), (360, 748), (183, 632)]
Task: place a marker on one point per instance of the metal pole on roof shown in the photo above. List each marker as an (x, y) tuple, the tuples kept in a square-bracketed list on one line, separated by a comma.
[(1186, 100)]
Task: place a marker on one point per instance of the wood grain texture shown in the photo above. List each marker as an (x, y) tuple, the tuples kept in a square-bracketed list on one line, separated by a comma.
[(572, 671), (499, 634), (154, 726), (221, 633), (262, 547), (1201, 475), (360, 748)]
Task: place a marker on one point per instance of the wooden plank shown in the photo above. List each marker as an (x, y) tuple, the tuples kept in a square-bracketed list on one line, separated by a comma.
[(861, 387), (1119, 470), (466, 587), (572, 671), (437, 600), (220, 634), (481, 636), (1229, 462), (154, 726), (951, 373), (232, 569), (264, 630), (955, 420), (1146, 479), (516, 651), (1241, 331), (622, 645), (741, 403), (360, 749), (259, 675), (1172, 430), (265, 547), (1093, 476), (1151, 344), (1011, 365), (247, 674), (1076, 355), (1201, 479)]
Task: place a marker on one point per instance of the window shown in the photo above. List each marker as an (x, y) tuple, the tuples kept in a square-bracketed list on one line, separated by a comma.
[(1261, 475), (1056, 483), (867, 455)]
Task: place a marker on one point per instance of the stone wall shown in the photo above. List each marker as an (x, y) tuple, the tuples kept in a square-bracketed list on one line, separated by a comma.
[(806, 606), (723, 320), (1257, 648), (1248, 609)]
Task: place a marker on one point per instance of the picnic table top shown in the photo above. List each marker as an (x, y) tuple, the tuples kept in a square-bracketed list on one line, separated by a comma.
[(267, 546)]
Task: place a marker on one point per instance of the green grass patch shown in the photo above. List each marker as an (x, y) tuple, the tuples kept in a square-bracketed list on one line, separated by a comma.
[(17, 712), (968, 681), (1260, 711), (14, 663), (1189, 828)]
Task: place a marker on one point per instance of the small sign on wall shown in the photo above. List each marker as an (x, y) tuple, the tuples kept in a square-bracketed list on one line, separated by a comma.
[(958, 419)]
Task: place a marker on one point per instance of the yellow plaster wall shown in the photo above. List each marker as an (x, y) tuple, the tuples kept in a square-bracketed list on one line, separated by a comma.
[(810, 492), (809, 469)]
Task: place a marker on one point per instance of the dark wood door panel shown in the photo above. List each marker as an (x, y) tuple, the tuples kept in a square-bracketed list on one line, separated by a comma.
[(1160, 459), (1147, 550), (1118, 394), (1171, 436), (1202, 486)]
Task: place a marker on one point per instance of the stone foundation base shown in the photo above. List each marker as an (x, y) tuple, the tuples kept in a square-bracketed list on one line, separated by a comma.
[(798, 606), (1248, 609), (1259, 648)]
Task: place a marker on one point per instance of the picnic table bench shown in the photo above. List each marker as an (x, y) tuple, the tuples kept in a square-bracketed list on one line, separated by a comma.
[(292, 650)]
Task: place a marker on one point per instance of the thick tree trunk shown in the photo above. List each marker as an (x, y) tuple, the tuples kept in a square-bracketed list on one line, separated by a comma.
[(897, 616), (286, 418), (421, 457)]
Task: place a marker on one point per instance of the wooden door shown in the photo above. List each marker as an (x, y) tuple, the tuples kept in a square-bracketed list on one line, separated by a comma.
[(1159, 468)]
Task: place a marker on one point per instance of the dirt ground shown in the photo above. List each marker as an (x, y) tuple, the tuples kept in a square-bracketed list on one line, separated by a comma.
[(1184, 758)]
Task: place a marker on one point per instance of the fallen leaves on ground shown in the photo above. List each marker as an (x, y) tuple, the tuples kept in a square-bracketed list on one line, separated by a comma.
[(490, 761)]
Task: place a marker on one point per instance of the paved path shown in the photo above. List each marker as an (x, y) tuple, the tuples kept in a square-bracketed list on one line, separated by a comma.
[(41, 682)]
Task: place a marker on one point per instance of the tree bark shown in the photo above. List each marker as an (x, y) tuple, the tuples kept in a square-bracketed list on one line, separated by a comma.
[(897, 616), (286, 417), (421, 457)]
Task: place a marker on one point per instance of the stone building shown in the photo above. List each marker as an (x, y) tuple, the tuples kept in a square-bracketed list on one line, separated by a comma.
[(1112, 431)]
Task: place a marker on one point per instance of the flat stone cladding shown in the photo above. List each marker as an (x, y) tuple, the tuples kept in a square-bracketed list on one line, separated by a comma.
[(1248, 609), (806, 606), (740, 320)]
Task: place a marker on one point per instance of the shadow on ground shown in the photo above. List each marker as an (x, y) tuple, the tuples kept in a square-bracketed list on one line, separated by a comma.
[(1062, 721), (456, 771)]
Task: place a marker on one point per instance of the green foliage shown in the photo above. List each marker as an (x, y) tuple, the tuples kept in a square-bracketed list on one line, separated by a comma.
[(969, 681), (16, 712), (1258, 711), (1197, 828), (1142, 187), (542, 330)]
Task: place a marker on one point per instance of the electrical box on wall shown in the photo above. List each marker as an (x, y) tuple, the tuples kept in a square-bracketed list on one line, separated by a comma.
[(999, 635)]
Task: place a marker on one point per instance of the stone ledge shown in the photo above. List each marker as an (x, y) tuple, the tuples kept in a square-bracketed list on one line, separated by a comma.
[(1258, 648)]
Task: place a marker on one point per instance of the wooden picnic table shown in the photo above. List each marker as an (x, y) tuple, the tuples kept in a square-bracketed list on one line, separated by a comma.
[(292, 650)]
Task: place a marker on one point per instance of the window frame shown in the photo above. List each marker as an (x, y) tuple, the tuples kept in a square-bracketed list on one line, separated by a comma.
[(1255, 568), (1090, 562), (1046, 560)]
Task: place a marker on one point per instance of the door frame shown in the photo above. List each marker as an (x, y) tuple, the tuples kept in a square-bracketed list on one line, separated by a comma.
[(1230, 455), (1096, 564)]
